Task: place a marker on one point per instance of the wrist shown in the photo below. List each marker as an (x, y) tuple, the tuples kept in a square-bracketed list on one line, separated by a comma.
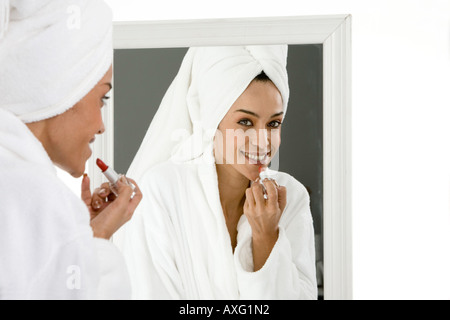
[(262, 245), (265, 239), (265, 235), (99, 232)]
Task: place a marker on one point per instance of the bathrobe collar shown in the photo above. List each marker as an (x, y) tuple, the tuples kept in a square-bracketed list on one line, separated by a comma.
[(16, 138)]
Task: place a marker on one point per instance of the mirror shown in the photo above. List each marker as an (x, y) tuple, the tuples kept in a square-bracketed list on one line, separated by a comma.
[(316, 145), (142, 77)]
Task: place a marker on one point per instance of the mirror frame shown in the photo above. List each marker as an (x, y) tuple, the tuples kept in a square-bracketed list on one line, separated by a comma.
[(334, 33)]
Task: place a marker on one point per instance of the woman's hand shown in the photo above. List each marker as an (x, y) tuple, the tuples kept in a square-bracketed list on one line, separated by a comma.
[(108, 212), (264, 216)]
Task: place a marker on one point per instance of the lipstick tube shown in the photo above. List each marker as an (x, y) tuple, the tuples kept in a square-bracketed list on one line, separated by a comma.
[(113, 177), (266, 173)]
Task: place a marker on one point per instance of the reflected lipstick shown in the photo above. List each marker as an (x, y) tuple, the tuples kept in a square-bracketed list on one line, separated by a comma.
[(266, 173)]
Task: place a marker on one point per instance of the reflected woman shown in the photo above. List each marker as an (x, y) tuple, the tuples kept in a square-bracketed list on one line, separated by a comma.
[(207, 228)]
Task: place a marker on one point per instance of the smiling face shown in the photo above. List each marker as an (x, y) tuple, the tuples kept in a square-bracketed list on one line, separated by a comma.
[(69, 135), (250, 133)]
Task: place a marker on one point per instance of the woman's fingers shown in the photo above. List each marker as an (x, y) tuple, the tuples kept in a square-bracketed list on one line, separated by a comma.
[(86, 195), (269, 188), (249, 198), (272, 192), (258, 194), (101, 197), (276, 195), (117, 212)]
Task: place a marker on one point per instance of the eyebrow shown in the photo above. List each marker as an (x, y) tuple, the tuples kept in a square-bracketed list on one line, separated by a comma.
[(256, 115)]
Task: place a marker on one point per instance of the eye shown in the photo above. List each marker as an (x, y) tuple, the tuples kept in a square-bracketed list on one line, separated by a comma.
[(245, 122), (274, 124), (104, 100)]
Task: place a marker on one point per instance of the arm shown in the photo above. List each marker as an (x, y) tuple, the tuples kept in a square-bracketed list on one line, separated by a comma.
[(264, 217), (288, 271)]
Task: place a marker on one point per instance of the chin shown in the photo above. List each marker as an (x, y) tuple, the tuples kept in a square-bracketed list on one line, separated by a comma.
[(78, 169), (77, 174), (74, 171), (250, 171)]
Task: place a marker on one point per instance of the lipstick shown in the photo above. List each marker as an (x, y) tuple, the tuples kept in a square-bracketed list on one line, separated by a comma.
[(266, 173), (113, 177)]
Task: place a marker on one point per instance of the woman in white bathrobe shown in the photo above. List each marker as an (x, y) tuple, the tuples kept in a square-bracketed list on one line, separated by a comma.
[(53, 84), (204, 229)]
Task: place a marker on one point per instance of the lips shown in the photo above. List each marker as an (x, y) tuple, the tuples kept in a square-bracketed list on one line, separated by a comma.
[(257, 158)]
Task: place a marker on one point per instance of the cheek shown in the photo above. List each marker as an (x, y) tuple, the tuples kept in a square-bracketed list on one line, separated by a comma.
[(96, 119), (227, 145), (275, 140)]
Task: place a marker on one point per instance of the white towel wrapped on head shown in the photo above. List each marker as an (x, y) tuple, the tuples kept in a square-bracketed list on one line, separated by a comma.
[(52, 53)]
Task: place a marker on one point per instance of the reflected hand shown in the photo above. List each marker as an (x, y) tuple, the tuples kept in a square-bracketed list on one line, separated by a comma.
[(264, 216)]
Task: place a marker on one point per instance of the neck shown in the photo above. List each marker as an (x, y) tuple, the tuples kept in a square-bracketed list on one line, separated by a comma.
[(39, 131), (232, 186)]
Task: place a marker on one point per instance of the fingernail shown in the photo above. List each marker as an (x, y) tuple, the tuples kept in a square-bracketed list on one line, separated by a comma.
[(123, 179), (96, 204), (102, 192), (84, 175)]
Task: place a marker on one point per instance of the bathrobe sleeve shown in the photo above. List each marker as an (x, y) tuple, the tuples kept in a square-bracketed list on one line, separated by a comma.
[(289, 272), (47, 248)]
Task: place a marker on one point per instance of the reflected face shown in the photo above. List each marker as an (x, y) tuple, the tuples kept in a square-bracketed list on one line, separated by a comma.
[(249, 135), (71, 133)]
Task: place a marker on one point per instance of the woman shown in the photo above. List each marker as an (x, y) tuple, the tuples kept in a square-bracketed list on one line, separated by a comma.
[(204, 229), (54, 82)]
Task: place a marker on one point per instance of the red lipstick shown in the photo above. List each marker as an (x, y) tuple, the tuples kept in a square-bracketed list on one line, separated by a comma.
[(112, 176), (102, 165)]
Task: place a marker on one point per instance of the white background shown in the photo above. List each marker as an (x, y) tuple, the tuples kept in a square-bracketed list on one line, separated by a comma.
[(401, 131)]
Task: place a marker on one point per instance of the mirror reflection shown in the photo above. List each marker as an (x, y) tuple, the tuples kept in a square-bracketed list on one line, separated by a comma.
[(198, 128)]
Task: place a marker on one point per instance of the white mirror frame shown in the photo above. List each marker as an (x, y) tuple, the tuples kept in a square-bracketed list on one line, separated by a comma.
[(334, 32)]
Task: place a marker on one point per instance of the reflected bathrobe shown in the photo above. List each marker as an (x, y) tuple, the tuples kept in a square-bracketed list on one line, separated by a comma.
[(177, 245), (47, 248)]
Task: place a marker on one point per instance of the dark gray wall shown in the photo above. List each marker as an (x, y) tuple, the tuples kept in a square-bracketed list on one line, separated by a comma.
[(301, 153), (142, 76)]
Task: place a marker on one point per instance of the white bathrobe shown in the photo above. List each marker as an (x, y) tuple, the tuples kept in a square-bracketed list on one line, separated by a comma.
[(47, 248), (179, 246)]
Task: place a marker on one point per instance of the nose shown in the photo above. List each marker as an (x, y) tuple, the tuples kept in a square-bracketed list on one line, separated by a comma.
[(260, 139), (102, 129)]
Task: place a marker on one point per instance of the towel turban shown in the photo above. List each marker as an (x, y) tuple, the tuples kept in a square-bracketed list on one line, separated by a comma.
[(52, 53)]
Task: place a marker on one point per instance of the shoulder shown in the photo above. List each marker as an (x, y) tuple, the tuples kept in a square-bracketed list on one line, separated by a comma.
[(293, 186), (39, 215), (33, 194), (298, 202)]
